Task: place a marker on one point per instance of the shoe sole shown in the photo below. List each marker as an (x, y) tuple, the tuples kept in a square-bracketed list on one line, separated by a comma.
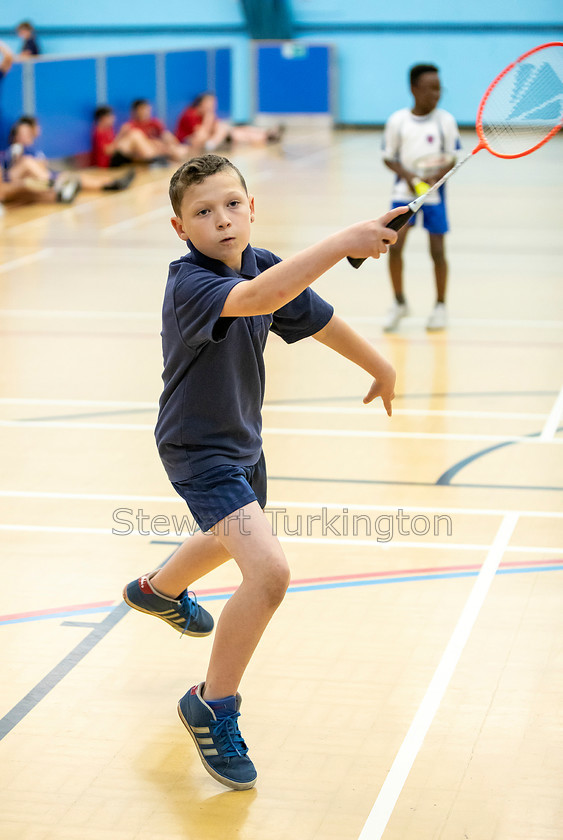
[(162, 618), (230, 783)]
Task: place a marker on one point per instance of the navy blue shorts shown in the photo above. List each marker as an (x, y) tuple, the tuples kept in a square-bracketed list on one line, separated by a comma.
[(434, 216), (215, 493)]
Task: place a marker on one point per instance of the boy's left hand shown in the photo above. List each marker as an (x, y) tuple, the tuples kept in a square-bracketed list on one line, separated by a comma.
[(383, 386)]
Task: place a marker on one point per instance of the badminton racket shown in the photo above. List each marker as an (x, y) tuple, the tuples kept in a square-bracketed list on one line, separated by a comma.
[(521, 110)]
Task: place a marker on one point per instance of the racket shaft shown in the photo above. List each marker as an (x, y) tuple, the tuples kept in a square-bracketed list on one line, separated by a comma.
[(399, 221), (418, 202)]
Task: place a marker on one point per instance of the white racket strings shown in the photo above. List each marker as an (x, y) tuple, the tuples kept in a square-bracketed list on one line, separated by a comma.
[(526, 103)]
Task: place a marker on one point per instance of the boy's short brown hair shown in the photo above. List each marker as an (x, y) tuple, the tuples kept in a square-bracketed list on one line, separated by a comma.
[(195, 171)]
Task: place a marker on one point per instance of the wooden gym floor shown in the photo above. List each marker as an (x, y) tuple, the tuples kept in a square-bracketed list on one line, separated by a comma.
[(410, 687)]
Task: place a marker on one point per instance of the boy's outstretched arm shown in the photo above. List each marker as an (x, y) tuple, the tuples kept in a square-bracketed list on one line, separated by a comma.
[(338, 335), (282, 282)]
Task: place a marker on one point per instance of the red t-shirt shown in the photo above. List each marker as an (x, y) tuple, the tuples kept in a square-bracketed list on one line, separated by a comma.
[(187, 123), (153, 128), (101, 138)]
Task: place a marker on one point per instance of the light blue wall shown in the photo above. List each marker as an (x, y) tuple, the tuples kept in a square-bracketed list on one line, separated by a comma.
[(321, 12), (121, 12), (115, 26), (375, 41)]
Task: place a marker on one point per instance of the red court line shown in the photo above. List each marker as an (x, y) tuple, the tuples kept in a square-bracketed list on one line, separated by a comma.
[(300, 581), (72, 608), (394, 573)]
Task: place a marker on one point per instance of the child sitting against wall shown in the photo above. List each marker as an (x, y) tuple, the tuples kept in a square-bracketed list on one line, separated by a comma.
[(163, 142), (200, 127), (23, 160), (111, 148)]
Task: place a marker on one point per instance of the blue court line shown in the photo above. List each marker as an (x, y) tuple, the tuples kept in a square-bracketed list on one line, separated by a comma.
[(90, 414), (298, 401), (223, 596), (18, 712), (61, 614), (64, 667), (446, 477), (310, 587), (391, 483)]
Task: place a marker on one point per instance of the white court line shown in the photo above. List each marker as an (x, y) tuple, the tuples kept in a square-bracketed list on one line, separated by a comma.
[(29, 258), (554, 420), (325, 541), (345, 433), (550, 550), (73, 313), (274, 505), (76, 403), (463, 322), (390, 791), (132, 221), (376, 320), (402, 412), (296, 409)]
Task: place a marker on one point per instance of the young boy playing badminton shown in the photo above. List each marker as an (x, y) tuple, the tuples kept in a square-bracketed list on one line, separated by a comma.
[(221, 300), (412, 134)]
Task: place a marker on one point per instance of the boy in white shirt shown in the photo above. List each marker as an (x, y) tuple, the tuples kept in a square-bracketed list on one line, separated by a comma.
[(411, 134)]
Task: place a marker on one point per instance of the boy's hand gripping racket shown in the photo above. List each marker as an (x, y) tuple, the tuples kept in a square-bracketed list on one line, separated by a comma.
[(521, 110)]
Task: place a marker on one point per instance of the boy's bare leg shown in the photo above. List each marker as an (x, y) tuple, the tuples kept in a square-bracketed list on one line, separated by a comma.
[(247, 536), (396, 263), (197, 556), (437, 252), (26, 192), (29, 167)]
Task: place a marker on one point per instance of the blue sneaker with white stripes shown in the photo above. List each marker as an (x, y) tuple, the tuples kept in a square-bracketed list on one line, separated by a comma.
[(184, 614), (218, 740)]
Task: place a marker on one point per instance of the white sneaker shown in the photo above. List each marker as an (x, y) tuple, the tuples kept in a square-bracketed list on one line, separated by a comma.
[(396, 312), (438, 318)]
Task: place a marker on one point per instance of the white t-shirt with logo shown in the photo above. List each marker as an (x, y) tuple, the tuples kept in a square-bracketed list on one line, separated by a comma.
[(408, 137)]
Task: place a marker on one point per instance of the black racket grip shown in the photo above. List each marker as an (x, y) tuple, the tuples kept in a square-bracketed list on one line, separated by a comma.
[(395, 224)]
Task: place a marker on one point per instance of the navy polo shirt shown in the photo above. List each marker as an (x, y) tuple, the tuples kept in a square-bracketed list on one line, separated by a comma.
[(210, 408)]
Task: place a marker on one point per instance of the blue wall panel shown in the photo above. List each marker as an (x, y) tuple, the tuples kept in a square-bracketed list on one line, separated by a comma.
[(186, 76), (293, 79), (223, 76), (11, 102), (130, 77), (65, 98)]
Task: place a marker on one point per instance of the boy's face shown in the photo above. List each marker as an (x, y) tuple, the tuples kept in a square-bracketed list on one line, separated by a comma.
[(216, 216), (25, 134), (426, 92), (143, 112), (107, 120)]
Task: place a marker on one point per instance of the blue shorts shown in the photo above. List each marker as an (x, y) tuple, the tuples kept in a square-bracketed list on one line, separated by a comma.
[(215, 493), (434, 216)]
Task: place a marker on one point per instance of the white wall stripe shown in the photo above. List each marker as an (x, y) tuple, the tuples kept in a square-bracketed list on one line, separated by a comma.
[(405, 758)]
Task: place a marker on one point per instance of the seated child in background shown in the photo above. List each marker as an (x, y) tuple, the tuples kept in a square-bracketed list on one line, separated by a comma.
[(22, 160), (6, 59), (200, 127), (29, 47), (163, 143), (111, 148)]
